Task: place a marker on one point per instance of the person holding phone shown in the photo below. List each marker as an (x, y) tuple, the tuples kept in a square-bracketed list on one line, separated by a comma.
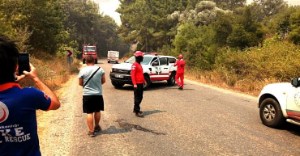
[(18, 123)]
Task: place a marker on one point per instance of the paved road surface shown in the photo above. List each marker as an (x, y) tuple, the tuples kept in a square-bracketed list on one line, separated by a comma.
[(200, 120)]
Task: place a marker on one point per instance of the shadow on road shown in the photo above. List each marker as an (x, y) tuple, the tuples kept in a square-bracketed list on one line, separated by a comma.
[(146, 113), (128, 127), (113, 130), (294, 129)]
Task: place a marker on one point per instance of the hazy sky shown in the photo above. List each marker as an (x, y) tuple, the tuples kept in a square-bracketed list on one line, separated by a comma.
[(108, 7)]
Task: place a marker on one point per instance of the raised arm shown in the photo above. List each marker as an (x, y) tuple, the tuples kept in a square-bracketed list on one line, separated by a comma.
[(33, 76)]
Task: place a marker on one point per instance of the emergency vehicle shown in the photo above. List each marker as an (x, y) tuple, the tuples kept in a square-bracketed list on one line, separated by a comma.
[(89, 50), (112, 56), (155, 68), (279, 103)]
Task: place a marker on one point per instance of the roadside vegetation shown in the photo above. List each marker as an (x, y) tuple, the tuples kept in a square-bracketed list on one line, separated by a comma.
[(225, 43)]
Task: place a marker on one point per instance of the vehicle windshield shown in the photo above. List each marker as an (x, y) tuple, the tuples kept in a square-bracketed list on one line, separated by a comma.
[(145, 61), (90, 48)]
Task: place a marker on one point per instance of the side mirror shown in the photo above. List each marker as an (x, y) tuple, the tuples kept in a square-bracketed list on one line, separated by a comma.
[(295, 82)]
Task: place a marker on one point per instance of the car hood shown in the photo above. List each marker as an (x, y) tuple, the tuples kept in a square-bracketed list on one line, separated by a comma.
[(277, 88), (123, 66)]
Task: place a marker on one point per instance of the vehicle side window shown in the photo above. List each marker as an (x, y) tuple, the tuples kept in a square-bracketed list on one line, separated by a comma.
[(172, 60), (163, 61), (154, 62)]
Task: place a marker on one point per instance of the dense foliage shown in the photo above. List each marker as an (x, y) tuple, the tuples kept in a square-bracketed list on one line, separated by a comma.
[(228, 37), (54, 26)]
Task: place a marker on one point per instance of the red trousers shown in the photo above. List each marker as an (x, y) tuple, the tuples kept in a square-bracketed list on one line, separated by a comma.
[(181, 77)]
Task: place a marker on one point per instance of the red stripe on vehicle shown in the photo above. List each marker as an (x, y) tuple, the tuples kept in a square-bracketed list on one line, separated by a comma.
[(151, 74), (293, 114), (159, 78)]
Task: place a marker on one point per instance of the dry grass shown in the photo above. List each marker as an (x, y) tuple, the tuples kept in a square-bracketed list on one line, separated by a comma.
[(214, 78), (248, 71), (53, 71)]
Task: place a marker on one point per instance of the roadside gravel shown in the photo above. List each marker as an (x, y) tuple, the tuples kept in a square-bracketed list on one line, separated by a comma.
[(56, 127)]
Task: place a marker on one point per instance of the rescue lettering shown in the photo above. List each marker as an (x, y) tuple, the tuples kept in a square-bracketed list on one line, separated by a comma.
[(17, 139)]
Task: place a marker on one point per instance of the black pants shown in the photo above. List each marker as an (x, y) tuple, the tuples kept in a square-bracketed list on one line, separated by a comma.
[(138, 97)]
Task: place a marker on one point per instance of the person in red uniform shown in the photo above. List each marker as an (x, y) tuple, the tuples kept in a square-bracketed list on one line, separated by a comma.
[(138, 81), (180, 63)]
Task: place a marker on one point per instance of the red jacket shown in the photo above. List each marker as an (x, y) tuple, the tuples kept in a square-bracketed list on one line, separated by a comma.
[(180, 66), (137, 74)]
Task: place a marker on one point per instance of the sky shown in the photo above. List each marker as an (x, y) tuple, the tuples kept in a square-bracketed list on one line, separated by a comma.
[(108, 7)]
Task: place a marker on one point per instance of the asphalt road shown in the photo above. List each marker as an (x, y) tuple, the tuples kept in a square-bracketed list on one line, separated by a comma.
[(199, 120)]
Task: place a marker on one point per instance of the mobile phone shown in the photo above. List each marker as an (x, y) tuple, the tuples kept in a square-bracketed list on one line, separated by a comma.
[(23, 62)]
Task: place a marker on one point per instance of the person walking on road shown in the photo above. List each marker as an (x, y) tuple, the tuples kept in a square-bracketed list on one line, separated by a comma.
[(138, 81), (180, 63), (18, 122), (92, 78)]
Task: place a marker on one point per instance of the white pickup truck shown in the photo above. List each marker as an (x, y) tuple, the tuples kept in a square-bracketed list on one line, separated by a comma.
[(155, 67), (279, 103)]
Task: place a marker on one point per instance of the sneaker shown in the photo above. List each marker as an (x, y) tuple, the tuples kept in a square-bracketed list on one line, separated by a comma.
[(97, 128), (139, 114), (179, 87), (91, 134)]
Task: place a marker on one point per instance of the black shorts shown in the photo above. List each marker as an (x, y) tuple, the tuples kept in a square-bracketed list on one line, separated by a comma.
[(93, 103)]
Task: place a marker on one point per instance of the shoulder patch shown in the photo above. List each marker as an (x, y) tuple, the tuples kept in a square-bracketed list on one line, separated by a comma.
[(46, 96), (133, 67)]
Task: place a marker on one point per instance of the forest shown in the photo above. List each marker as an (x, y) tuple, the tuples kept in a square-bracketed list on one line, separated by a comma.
[(223, 41)]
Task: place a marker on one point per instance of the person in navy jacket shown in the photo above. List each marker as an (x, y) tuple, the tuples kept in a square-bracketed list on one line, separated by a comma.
[(18, 123), (138, 81)]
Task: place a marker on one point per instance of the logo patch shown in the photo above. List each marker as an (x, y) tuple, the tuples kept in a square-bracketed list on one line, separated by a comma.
[(132, 67), (4, 112), (46, 96)]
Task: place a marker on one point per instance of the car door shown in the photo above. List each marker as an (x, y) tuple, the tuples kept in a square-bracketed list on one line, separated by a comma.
[(164, 68), (293, 104)]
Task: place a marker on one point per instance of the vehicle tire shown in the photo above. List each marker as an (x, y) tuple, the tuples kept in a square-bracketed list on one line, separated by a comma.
[(117, 85), (83, 61), (270, 113), (171, 80), (147, 79)]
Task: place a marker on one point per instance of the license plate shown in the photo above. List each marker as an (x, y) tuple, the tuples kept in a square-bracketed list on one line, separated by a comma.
[(118, 76)]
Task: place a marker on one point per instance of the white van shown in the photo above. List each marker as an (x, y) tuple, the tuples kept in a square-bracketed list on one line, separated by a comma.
[(113, 56)]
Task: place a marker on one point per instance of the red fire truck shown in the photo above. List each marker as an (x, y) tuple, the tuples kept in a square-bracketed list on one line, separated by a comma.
[(89, 50)]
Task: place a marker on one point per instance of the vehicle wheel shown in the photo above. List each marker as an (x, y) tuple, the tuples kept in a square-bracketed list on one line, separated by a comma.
[(147, 79), (117, 85), (83, 61), (171, 80), (270, 113)]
